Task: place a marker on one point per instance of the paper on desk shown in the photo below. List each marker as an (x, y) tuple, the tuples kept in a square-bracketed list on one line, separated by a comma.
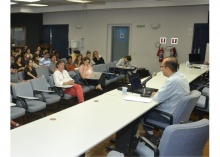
[(138, 99)]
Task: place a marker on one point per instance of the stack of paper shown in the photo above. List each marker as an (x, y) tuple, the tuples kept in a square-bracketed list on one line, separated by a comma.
[(138, 99)]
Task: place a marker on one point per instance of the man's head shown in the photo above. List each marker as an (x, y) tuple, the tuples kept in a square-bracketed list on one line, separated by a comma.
[(169, 66), (46, 55), (60, 65), (127, 58)]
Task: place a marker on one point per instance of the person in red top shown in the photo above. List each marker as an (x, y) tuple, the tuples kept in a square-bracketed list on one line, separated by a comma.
[(69, 64)]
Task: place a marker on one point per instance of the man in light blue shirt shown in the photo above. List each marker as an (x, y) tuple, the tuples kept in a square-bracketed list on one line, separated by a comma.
[(45, 61), (175, 87)]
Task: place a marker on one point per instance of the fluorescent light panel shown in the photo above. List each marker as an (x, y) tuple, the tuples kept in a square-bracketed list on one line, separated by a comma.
[(13, 3), (37, 5), (78, 1), (27, 0)]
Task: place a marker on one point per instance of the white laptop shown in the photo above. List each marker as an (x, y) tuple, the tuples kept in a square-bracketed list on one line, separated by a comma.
[(95, 76)]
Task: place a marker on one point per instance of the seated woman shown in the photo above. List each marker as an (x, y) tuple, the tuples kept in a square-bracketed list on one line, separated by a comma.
[(29, 70), (69, 65), (36, 61), (61, 77), (17, 64), (97, 58), (85, 71), (78, 61)]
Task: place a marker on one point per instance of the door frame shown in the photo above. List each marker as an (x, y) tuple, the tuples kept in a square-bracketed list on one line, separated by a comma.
[(109, 40)]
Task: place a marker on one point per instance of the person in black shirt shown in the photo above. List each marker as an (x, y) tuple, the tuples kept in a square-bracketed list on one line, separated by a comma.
[(97, 58), (17, 64), (29, 70)]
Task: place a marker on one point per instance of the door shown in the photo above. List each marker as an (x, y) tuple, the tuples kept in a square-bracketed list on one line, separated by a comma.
[(57, 36), (200, 40), (120, 42)]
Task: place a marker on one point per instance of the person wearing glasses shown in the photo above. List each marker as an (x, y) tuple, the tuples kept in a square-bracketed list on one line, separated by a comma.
[(97, 58), (175, 87)]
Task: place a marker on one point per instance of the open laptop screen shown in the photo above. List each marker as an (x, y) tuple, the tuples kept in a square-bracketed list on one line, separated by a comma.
[(135, 82), (194, 58)]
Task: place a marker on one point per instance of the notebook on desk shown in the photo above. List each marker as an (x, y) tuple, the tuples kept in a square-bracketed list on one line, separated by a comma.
[(136, 86)]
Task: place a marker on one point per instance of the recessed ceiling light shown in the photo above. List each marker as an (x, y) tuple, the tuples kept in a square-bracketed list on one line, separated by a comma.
[(13, 3), (37, 5), (27, 0), (79, 1)]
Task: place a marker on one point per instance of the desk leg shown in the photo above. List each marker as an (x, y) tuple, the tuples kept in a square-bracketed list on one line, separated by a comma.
[(125, 137)]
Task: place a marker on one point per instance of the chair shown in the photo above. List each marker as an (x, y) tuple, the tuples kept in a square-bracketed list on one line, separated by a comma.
[(44, 92), (76, 79), (15, 78), (104, 69), (23, 94), (181, 113), (177, 140), (203, 102), (82, 82), (21, 75), (43, 72), (16, 111)]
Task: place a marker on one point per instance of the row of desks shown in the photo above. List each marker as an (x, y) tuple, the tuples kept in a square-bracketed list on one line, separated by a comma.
[(79, 128)]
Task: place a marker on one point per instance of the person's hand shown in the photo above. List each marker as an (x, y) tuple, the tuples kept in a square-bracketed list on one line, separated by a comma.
[(153, 93), (14, 71), (71, 82)]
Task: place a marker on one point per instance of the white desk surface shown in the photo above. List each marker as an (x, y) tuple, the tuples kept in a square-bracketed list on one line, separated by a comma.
[(76, 129), (190, 73), (79, 128), (13, 104)]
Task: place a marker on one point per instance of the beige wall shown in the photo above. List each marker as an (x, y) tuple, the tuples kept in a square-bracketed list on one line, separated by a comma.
[(175, 22)]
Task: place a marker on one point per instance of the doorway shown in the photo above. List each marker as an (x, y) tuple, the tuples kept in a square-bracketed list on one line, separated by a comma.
[(57, 36), (118, 44)]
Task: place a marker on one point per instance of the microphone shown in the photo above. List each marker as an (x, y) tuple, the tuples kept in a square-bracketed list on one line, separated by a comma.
[(148, 93)]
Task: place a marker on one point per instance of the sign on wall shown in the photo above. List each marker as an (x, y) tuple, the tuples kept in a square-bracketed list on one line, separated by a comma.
[(163, 40), (174, 40)]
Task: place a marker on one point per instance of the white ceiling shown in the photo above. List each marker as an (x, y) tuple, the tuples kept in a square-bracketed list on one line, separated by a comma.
[(63, 5)]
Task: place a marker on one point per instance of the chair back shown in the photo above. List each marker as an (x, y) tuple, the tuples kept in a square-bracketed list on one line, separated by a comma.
[(74, 76), (22, 89), (95, 68), (110, 65), (185, 107), (43, 72), (21, 75), (39, 83), (102, 67), (64, 59), (184, 139), (51, 81), (14, 78)]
